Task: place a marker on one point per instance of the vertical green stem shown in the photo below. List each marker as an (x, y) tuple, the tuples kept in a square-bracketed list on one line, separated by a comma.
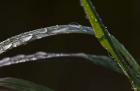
[(121, 56), (100, 31)]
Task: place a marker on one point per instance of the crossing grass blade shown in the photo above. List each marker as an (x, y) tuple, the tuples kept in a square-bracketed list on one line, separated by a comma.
[(120, 54)]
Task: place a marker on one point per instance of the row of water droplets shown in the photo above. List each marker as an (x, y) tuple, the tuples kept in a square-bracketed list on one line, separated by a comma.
[(98, 60), (41, 33), (36, 56), (20, 39)]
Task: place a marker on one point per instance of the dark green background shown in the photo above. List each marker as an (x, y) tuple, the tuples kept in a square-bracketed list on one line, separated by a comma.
[(69, 74)]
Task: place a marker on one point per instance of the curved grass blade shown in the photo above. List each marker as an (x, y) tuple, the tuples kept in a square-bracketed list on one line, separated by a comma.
[(41, 33), (122, 57), (98, 60), (21, 85)]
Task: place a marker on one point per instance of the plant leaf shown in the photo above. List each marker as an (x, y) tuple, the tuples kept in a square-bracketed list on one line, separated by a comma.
[(26, 37), (21, 85), (99, 60), (122, 57)]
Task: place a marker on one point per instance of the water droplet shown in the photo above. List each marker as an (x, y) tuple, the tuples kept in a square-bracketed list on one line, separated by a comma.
[(84, 30), (7, 46), (95, 20), (26, 38), (60, 30), (5, 62), (43, 30), (33, 58), (76, 25), (1, 50), (19, 56), (5, 59), (16, 43), (40, 53), (57, 26)]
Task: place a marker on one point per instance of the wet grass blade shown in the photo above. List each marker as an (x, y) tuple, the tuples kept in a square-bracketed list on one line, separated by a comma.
[(121, 56), (41, 33), (41, 56), (132, 66), (21, 85), (26, 37)]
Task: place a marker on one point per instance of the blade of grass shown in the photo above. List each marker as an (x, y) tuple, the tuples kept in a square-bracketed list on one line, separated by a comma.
[(21, 85), (40, 56), (26, 37), (100, 31), (128, 66), (133, 67)]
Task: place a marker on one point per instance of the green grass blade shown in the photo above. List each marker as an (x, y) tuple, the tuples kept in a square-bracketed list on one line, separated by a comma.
[(122, 57), (101, 32), (21, 85), (133, 66)]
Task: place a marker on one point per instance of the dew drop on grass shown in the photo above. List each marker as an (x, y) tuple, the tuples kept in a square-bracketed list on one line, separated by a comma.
[(16, 43), (44, 30), (75, 25), (26, 38), (7, 46), (95, 20), (1, 50)]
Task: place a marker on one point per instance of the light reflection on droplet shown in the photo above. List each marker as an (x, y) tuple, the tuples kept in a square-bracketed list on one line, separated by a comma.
[(5, 47), (16, 43), (26, 38)]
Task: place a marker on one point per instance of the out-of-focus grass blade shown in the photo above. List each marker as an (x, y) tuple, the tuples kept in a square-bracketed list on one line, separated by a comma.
[(21, 85), (122, 57)]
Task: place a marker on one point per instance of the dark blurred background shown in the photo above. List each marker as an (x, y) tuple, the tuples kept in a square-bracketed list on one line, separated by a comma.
[(69, 74)]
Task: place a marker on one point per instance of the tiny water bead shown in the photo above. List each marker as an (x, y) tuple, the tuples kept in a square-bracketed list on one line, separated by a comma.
[(95, 20), (60, 30), (75, 26)]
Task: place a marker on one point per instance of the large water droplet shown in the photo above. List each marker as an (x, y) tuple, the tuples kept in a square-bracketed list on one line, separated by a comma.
[(16, 43), (42, 30), (26, 38)]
